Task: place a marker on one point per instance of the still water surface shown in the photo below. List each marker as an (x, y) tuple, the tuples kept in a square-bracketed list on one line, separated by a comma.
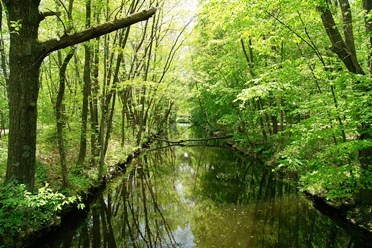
[(199, 197)]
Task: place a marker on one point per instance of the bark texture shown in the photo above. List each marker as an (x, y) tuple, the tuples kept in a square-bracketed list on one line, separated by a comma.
[(86, 90), (23, 89), (343, 49), (60, 117)]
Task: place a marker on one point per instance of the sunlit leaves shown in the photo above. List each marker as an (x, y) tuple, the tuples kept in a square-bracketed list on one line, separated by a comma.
[(23, 212), (284, 79)]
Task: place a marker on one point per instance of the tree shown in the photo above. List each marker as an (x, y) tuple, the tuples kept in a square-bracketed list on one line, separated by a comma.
[(60, 117), (25, 57), (345, 50)]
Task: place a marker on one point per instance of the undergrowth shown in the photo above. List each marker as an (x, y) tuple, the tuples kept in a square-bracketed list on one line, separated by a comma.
[(23, 212)]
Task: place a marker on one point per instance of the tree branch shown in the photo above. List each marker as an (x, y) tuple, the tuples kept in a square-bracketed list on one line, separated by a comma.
[(247, 58), (338, 44), (348, 26), (193, 140), (45, 14), (314, 48), (94, 32)]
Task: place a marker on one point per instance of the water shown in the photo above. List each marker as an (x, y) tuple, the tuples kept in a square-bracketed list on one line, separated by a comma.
[(199, 197)]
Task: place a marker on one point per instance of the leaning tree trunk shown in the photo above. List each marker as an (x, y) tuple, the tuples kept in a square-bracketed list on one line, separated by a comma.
[(25, 57)]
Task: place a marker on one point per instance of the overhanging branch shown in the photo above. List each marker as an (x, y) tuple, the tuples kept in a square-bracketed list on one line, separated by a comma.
[(94, 32), (193, 140), (45, 14)]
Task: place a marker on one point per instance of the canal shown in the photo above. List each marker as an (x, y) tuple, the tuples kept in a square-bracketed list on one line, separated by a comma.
[(199, 196)]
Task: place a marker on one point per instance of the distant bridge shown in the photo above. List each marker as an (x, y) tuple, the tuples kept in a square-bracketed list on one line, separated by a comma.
[(183, 118)]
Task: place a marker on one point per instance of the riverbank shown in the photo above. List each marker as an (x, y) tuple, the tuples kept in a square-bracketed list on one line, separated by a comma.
[(202, 195), (347, 212), (28, 237)]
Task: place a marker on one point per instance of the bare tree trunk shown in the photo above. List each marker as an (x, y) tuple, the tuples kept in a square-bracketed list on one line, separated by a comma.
[(148, 53), (110, 99), (95, 32), (262, 125), (348, 27), (94, 138), (60, 118), (4, 65), (248, 56), (86, 90), (4, 68)]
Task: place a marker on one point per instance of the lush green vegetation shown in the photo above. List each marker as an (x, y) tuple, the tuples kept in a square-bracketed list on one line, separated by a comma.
[(23, 212), (268, 73), (290, 80)]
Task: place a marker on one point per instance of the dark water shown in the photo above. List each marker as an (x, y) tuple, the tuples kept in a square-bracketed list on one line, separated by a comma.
[(198, 197)]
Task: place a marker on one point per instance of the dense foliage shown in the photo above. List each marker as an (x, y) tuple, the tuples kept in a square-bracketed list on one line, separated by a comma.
[(265, 72), (290, 80), (22, 212)]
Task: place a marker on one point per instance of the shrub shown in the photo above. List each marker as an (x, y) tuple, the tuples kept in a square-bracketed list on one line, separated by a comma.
[(22, 212)]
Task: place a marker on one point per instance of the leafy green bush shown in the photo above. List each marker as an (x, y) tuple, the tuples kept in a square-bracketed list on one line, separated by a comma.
[(325, 169), (22, 212), (334, 183)]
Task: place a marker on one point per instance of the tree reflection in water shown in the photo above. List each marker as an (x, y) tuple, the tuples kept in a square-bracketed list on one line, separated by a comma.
[(255, 208), (200, 197), (127, 216)]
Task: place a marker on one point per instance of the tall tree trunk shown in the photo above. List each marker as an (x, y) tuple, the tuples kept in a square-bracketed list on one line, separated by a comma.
[(60, 117), (262, 125), (24, 64), (84, 111), (348, 27), (142, 117), (86, 90), (110, 99), (4, 65), (94, 140)]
